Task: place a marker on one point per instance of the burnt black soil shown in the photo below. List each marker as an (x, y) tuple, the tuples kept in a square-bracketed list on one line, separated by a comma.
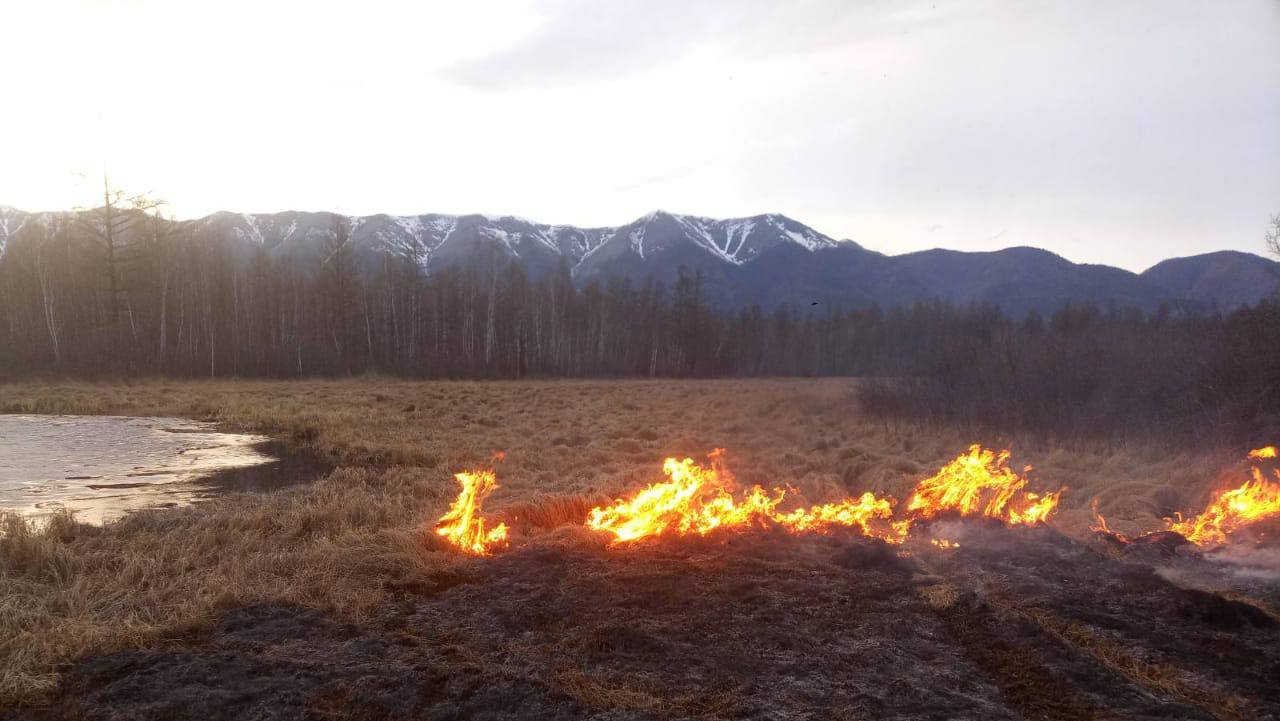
[(1015, 624), (273, 662)]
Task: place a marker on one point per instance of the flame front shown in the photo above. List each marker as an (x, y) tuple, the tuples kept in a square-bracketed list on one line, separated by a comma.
[(1263, 453), (695, 499), (870, 514), (980, 483), (463, 525), (698, 499), (1256, 499)]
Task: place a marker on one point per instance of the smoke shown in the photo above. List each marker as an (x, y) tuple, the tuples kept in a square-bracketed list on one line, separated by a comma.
[(1251, 562)]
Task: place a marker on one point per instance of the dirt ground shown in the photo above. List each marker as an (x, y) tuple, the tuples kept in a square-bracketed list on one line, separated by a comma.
[(332, 600)]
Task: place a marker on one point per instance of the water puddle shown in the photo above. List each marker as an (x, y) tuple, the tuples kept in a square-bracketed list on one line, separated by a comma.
[(106, 466)]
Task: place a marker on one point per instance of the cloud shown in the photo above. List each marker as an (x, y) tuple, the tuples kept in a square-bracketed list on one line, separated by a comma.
[(580, 41)]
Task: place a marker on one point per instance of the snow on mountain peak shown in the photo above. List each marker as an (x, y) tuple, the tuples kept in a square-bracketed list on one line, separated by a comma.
[(412, 225), (417, 237), (733, 240)]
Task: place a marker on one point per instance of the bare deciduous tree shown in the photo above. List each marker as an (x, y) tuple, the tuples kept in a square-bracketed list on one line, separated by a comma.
[(1273, 236), (110, 229)]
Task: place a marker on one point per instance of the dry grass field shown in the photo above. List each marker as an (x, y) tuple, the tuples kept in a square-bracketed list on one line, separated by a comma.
[(356, 548)]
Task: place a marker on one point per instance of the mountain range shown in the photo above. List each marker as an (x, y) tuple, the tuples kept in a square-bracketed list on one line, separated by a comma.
[(766, 259)]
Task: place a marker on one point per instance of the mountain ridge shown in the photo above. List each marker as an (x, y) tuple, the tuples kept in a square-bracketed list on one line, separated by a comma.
[(767, 258)]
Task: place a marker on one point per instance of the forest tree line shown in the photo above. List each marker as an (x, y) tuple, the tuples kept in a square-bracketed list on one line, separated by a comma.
[(164, 304), (84, 302), (123, 293)]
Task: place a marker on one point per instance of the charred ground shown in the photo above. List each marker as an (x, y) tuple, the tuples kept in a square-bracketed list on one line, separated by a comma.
[(1016, 623)]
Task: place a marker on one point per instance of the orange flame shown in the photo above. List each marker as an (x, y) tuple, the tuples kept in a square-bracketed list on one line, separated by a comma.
[(870, 514), (1261, 453), (980, 483), (1099, 524), (699, 499), (1230, 510), (463, 525), (694, 500)]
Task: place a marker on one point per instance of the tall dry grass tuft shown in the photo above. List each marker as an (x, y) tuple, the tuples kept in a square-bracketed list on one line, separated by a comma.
[(549, 511), (36, 550)]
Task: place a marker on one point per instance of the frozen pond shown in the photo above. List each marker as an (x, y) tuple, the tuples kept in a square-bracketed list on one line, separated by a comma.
[(105, 466)]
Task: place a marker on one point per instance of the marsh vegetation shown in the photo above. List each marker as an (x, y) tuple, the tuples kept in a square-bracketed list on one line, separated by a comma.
[(358, 542)]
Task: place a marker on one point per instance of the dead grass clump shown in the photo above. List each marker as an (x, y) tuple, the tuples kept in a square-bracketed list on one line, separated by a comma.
[(550, 512), (628, 446), (341, 545), (639, 695), (36, 550)]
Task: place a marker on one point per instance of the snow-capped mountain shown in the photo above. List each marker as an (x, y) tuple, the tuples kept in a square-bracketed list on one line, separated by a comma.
[(765, 259), (655, 245), (662, 239), (736, 240), (438, 240)]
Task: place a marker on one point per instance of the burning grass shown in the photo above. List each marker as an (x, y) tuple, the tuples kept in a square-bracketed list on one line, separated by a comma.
[(700, 500), (1230, 510), (980, 483), (1256, 500), (565, 621), (462, 525)]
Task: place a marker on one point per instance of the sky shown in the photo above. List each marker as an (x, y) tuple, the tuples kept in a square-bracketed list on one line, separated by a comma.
[(1110, 131)]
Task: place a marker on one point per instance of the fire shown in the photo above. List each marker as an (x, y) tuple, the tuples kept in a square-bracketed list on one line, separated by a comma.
[(1099, 521), (1230, 510), (980, 483), (463, 525), (1099, 524), (1256, 499), (695, 499), (698, 499), (872, 515)]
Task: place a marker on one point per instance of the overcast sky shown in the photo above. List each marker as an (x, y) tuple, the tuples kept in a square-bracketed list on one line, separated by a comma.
[(1115, 131)]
